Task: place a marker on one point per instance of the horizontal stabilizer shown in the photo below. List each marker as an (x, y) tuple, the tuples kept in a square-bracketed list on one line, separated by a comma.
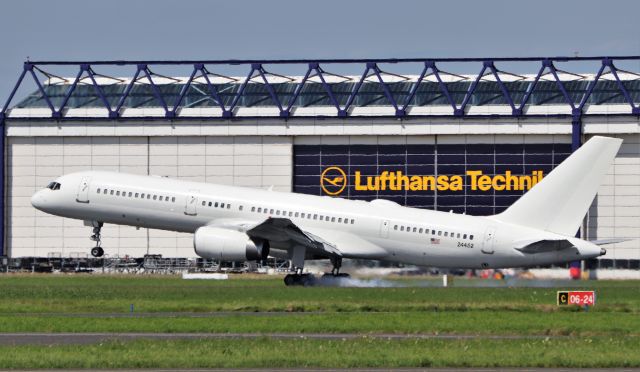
[(544, 245), (609, 241)]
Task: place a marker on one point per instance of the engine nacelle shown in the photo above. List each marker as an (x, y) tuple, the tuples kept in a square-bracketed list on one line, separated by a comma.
[(228, 245)]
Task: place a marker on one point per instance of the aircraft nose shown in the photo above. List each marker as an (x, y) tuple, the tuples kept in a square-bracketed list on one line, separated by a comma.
[(603, 251), (38, 200)]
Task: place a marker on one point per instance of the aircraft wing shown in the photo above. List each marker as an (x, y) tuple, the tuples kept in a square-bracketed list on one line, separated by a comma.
[(283, 233)]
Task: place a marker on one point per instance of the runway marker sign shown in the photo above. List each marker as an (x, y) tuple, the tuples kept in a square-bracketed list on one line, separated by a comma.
[(579, 298)]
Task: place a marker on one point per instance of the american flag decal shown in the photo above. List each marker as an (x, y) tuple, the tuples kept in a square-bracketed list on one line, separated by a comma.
[(435, 241)]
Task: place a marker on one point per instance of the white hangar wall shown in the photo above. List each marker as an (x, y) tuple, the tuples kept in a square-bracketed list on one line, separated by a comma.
[(259, 153), (35, 161)]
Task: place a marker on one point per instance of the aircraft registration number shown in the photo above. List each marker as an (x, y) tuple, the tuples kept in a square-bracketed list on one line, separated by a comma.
[(465, 244)]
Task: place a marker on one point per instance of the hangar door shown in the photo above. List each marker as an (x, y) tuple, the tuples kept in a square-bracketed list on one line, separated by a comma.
[(368, 168)]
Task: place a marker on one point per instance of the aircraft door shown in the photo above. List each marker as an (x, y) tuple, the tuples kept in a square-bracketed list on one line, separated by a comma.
[(384, 229), (83, 190), (191, 205), (489, 240)]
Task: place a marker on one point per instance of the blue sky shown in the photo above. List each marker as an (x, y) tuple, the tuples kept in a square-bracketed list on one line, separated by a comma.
[(239, 29)]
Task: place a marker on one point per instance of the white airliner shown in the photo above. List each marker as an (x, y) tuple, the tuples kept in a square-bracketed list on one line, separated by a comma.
[(236, 224)]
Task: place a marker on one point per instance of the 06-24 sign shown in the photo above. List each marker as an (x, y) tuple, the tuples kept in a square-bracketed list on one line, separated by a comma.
[(579, 298)]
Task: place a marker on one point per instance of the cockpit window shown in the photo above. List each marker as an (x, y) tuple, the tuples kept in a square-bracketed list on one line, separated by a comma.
[(53, 186)]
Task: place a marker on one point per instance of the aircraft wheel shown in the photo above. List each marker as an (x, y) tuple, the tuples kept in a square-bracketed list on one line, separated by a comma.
[(289, 279), (97, 252)]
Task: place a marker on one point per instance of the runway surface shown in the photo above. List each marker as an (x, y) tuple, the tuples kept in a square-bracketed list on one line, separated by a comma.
[(88, 338)]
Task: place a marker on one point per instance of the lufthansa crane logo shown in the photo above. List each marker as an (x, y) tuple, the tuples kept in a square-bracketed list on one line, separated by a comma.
[(333, 181)]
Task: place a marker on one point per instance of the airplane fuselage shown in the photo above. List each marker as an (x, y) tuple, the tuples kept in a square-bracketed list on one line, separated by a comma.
[(399, 234)]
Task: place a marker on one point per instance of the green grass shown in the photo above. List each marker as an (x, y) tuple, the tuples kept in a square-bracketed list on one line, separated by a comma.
[(365, 352), (443, 322), (107, 294), (608, 335)]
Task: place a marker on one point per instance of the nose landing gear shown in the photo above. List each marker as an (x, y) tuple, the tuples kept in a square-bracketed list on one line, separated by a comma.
[(97, 251)]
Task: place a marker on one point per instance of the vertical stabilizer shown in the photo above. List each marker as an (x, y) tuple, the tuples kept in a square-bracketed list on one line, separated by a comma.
[(560, 201)]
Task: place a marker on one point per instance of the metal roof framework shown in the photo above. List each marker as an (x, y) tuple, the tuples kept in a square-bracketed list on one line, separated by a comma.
[(315, 69)]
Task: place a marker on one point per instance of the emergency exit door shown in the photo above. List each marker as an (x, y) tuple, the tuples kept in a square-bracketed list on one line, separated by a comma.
[(384, 229), (489, 240), (191, 206), (83, 190)]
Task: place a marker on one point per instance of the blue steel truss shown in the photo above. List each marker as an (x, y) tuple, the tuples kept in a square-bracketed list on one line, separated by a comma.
[(400, 96), (343, 96)]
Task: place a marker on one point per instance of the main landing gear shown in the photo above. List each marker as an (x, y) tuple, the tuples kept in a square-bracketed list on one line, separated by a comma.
[(97, 251), (309, 279)]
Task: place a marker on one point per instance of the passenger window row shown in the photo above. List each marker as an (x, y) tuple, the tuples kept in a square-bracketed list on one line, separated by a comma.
[(420, 230), (309, 216), (136, 195), (216, 204)]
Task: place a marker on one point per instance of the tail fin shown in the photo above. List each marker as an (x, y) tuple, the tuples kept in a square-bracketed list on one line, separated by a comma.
[(560, 201)]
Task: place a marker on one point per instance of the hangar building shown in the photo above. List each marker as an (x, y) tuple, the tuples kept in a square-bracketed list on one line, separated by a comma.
[(266, 127)]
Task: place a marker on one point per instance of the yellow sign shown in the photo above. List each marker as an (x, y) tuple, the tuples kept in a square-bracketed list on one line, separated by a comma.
[(334, 181)]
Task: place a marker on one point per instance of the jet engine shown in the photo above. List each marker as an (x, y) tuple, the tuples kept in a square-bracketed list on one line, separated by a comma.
[(228, 245)]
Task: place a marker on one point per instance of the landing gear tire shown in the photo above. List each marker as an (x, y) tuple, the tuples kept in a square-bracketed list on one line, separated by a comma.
[(97, 252), (334, 275), (299, 279)]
